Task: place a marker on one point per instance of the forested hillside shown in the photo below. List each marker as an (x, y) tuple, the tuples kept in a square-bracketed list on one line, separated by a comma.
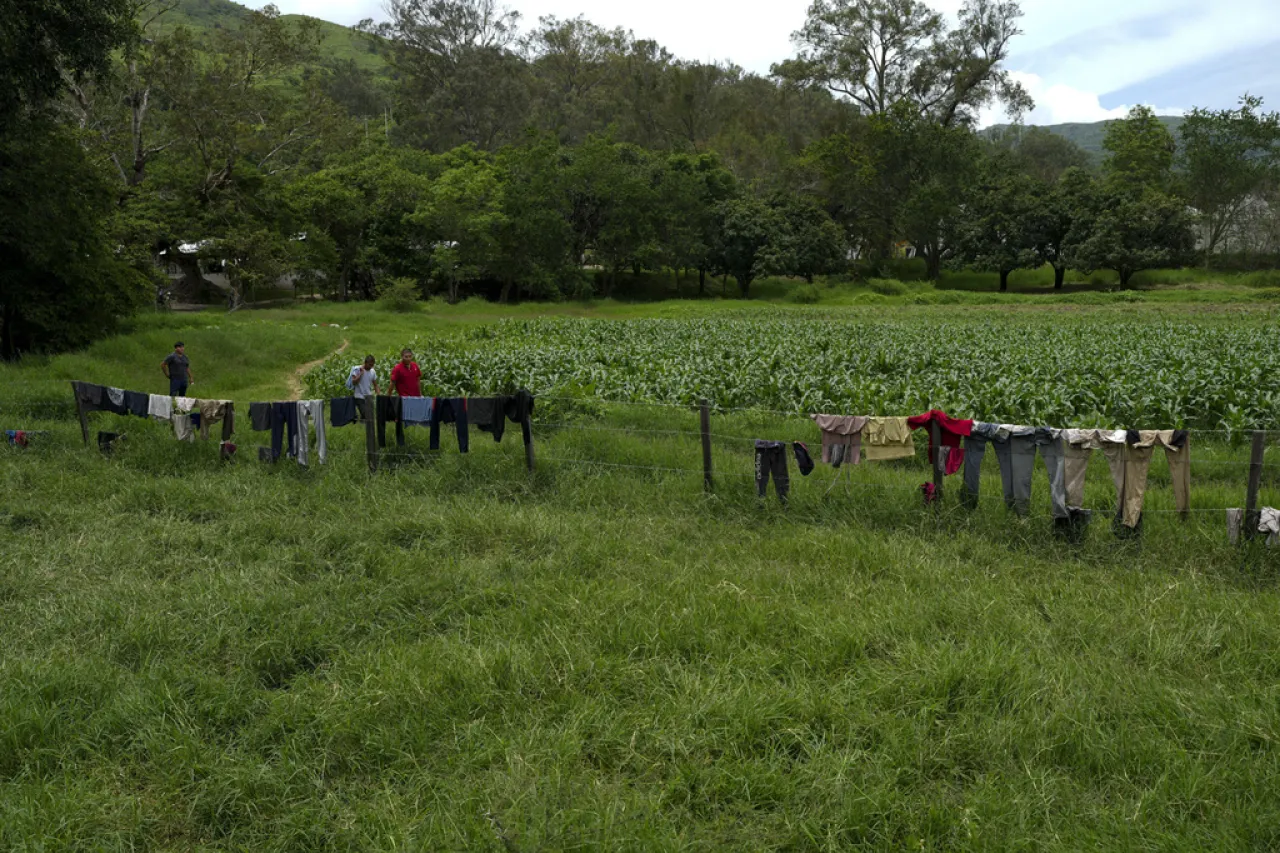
[(457, 149)]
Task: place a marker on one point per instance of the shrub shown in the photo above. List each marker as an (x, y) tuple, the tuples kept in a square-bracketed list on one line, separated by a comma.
[(806, 295), (399, 295)]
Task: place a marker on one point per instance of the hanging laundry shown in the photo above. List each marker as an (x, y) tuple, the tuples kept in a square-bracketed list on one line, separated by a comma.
[(952, 432), (489, 414), (841, 438), (519, 409), (887, 438), (1269, 523), (17, 437), (1128, 454), (342, 411), (284, 421), (183, 429), (90, 397), (185, 405), (389, 410), (1016, 448), (416, 411), (311, 412), (160, 407), (771, 461), (803, 460), (113, 402), (215, 411), (259, 417), (450, 410), (136, 403)]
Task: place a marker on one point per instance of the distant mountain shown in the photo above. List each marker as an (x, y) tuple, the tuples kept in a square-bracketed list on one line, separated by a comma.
[(338, 43), (1090, 136)]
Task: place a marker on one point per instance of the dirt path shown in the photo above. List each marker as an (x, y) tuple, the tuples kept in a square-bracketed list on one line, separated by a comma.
[(295, 381)]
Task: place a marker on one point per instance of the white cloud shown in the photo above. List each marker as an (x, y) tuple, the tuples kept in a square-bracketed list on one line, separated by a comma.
[(1058, 103)]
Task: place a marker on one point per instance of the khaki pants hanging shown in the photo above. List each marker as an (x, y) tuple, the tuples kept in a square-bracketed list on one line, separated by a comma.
[(1130, 466)]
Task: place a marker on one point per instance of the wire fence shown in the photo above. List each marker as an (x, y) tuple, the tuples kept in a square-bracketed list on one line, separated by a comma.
[(727, 447)]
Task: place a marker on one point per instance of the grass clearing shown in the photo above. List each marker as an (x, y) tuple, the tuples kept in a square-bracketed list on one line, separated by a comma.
[(452, 654)]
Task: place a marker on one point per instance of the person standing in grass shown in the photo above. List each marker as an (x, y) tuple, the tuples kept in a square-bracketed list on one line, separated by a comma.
[(177, 369), (406, 377), (363, 382)]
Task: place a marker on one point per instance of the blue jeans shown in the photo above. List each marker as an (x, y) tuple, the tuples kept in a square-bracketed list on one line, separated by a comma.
[(177, 387)]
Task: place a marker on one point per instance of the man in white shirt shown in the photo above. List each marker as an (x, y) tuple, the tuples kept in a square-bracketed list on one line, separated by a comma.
[(363, 382)]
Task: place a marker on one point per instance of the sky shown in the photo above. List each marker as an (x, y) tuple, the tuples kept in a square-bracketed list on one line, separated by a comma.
[(1081, 60)]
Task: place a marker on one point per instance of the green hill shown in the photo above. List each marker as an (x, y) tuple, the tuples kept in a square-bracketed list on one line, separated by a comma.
[(1090, 136), (338, 43)]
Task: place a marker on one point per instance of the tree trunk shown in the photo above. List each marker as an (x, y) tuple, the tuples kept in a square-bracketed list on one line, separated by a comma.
[(933, 264), (1004, 281), (344, 275), (702, 281), (745, 283), (1125, 276), (1059, 277), (808, 278), (505, 296)]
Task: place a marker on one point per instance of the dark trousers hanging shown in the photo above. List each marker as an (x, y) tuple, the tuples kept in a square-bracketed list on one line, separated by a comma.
[(450, 410), (389, 410), (284, 418), (771, 460)]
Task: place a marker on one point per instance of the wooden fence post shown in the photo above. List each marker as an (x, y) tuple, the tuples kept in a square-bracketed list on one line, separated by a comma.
[(939, 469), (84, 417), (1251, 513), (705, 417), (526, 430)]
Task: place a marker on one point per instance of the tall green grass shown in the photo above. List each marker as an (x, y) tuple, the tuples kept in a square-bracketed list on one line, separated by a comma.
[(453, 654)]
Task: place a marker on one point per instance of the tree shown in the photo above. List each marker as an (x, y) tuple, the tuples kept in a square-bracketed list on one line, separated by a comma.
[(1140, 150), (1057, 213), (996, 232), (460, 79), (1131, 228), (575, 66), (45, 44), (747, 228), (460, 218), (1041, 153), (62, 282), (1228, 157), (808, 244), (879, 53)]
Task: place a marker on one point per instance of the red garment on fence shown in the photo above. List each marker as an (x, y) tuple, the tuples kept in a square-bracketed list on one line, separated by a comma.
[(952, 431)]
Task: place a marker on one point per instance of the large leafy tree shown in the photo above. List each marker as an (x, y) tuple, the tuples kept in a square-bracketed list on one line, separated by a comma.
[(61, 279), (461, 80), (1228, 157), (996, 232), (879, 53), (1140, 151), (1130, 229)]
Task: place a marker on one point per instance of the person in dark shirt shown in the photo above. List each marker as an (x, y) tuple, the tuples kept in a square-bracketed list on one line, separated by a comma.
[(406, 377), (177, 369)]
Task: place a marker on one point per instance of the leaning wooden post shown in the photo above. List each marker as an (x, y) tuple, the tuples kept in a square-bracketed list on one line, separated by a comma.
[(705, 417), (1251, 514), (939, 471), (526, 430), (84, 416)]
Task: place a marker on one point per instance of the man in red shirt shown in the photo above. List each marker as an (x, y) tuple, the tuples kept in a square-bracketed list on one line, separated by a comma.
[(406, 376)]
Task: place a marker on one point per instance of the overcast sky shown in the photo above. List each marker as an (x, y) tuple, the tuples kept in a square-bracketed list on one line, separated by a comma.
[(1082, 60)]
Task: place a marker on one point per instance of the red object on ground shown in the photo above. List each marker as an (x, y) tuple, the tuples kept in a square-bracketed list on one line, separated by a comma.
[(952, 431), (407, 380)]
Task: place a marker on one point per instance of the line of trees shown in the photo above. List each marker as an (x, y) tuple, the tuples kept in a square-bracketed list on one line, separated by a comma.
[(547, 162)]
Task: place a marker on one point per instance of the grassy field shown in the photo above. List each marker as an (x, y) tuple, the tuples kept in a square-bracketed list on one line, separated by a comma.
[(453, 654)]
